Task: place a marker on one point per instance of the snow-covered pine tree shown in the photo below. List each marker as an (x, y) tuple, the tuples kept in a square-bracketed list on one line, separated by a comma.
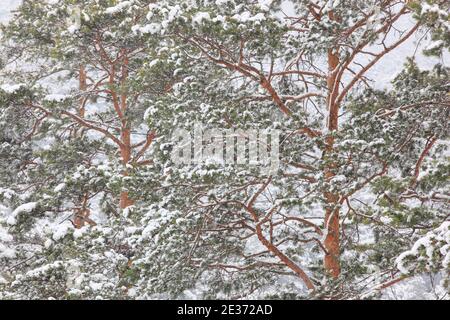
[(360, 200), (303, 69), (76, 83)]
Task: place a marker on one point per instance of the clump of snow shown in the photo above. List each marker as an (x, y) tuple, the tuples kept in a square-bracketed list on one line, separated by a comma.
[(264, 5), (78, 233), (11, 221), (4, 236), (149, 229), (434, 45), (25, 208), (119, 7), (73, 28), (61, 230), (59, 187), (6, 252), (132, 292), (7, 194), (339, 179), (426, 8), (55, 97), (44, 269), (48, 243), (221, 2), (74, 20), (246, 16), (200, 17), (151, 28), (74, 276), (11, 88), (429, 244)]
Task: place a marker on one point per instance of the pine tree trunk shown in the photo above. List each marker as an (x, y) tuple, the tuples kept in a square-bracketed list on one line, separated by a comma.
[(332, 225), (83, 212), (125, 151), (83, 87)]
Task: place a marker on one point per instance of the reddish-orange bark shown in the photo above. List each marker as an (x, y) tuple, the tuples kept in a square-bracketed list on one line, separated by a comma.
[(83, 87), (125, 135), (332, 224)]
